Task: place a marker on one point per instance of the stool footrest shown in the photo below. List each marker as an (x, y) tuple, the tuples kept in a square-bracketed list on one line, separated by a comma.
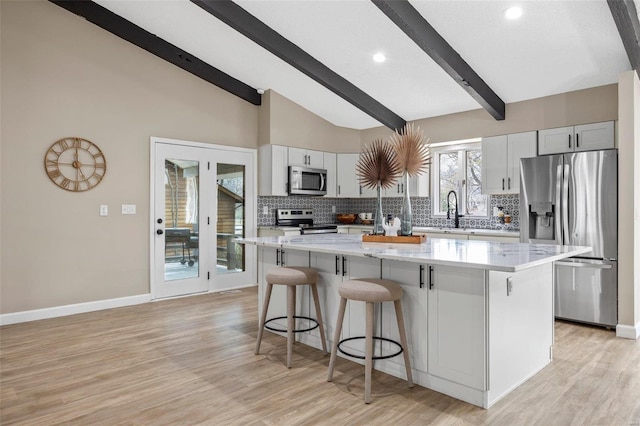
[(297, 330), (375, 356)]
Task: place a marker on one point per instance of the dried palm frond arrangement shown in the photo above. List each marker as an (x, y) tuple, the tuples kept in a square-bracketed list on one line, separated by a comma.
[(378, 165), (411, 150)]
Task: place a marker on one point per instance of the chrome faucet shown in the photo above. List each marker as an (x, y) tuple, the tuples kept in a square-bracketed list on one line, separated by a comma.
[(456, 216)]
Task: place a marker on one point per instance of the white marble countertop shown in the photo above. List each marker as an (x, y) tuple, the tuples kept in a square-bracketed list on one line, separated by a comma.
[(507, 257)]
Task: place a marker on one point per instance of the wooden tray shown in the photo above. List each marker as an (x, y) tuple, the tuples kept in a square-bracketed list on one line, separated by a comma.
[(410, 239)]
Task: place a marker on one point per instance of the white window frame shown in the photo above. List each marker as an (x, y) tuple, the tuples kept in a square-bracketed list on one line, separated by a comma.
[(461, 190)]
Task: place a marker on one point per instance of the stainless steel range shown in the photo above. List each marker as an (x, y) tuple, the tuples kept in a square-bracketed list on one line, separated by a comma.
[(303, 218)]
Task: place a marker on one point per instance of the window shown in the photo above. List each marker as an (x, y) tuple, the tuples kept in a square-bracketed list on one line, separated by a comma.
[(458, 168)]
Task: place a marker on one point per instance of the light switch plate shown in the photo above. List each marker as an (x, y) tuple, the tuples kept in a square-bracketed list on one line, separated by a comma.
[(333, 209), (128, 209), (265, 209), (104, 210)]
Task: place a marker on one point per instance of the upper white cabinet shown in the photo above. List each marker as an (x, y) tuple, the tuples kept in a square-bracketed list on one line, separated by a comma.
[(306, 157), (348, 185), (272, 168), (418, 187), (585, 137), (331, 166), (501, 161)]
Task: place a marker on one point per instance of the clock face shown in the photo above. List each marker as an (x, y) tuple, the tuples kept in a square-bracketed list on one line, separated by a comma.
[(75, 164)]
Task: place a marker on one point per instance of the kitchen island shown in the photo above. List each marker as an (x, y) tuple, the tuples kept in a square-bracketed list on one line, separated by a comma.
[(479, 314)]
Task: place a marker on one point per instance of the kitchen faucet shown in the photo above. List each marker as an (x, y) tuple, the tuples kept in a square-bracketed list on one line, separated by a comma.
[(456, 216)]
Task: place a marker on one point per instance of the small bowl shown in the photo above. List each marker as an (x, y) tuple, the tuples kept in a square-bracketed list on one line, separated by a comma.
[(346, 218)]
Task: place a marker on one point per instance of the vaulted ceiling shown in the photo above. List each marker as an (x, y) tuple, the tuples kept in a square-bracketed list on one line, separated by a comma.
[(442, 56)]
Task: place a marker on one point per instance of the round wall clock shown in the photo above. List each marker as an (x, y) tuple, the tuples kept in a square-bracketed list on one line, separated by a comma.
[(75, 164)]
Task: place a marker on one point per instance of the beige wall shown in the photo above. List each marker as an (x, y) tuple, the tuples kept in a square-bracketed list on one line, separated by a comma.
[(629, 204), (283, 122), (567, 109), (63, 76)]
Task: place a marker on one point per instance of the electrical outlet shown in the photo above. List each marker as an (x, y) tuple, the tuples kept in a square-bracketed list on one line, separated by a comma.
[(128, 209), (104, 210), (333, 209), (265, 209), (495, 211)]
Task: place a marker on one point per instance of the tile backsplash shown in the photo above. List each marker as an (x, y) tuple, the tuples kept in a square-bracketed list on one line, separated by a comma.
[(420, 208)]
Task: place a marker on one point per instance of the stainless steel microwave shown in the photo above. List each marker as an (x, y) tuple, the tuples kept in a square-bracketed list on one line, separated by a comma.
[(306, 181)]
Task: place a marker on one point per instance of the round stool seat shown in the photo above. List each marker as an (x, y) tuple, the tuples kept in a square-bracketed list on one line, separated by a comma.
[(292, 275), (370, 290)]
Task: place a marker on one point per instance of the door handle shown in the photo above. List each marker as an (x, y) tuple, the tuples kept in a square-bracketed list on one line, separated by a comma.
[(431, 283), (577, 141), (569, 141), (159, 232), (503, 184), (421, 276), (585, 265), (344, 269), (337, 265), (509, 183), (277, 257)]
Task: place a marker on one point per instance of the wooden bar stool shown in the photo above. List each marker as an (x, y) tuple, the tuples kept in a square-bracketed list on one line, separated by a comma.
[(291, 276), (370, 291)]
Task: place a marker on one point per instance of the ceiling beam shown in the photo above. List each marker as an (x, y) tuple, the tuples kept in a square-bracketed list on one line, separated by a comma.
[(625, 15), (126, 30), (251, 27), (409, 20)]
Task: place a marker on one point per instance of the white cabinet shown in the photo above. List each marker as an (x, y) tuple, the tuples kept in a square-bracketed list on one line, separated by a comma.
[(269, 258), (272, 168), (331, 166), (584, 137), (272, 231), (412, 277), (501, 161), (456, 325), (348, 186), (306, 158), (418, 187), (332, 270)]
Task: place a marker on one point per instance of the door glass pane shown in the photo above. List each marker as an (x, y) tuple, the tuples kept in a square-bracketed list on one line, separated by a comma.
[(231, 218), (181, 188)]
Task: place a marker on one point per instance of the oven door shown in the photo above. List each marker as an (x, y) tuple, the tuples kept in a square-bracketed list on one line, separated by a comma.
[(306, 181)]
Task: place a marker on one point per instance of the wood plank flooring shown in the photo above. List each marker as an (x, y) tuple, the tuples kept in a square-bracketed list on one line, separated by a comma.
[(190, 361)]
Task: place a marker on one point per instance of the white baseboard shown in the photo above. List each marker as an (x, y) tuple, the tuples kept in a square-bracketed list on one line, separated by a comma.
[(78, 308), (628, 331)]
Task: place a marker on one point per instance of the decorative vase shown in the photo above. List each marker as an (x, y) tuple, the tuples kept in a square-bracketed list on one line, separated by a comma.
[(378, 219), (405, 211)]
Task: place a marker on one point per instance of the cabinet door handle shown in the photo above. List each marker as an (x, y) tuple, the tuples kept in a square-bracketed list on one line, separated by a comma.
[(509, 286), (421, 277), (503, 184), (569, 141), (277, 257), (281, 257), (509, 183), (577, 141), (360, 189), (431, 283), (344, 269), (338, 189), (337, 265)]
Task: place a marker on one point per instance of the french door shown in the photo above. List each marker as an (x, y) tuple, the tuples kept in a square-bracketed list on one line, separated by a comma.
[(203, 198)]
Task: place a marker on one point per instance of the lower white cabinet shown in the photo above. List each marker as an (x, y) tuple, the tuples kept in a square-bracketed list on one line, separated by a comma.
[(412, 277), (496, 238), (457, 328)]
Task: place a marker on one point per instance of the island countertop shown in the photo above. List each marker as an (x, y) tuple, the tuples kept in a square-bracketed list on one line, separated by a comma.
[(496, 256)]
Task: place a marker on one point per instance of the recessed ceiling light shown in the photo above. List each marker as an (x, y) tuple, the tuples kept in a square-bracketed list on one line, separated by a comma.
[(513, 12), (379, 57)]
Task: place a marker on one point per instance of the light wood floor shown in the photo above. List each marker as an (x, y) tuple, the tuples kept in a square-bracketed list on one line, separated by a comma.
[(190, 361)]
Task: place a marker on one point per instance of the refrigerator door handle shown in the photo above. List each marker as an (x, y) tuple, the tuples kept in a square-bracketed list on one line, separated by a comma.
[(558, 204), (585, 265), (565, 206)]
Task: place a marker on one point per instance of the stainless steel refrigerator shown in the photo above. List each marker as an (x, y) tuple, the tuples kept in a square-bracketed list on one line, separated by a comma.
[(572, 199)]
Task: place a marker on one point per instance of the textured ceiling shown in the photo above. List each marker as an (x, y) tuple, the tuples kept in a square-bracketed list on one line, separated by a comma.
[(555, 47)]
